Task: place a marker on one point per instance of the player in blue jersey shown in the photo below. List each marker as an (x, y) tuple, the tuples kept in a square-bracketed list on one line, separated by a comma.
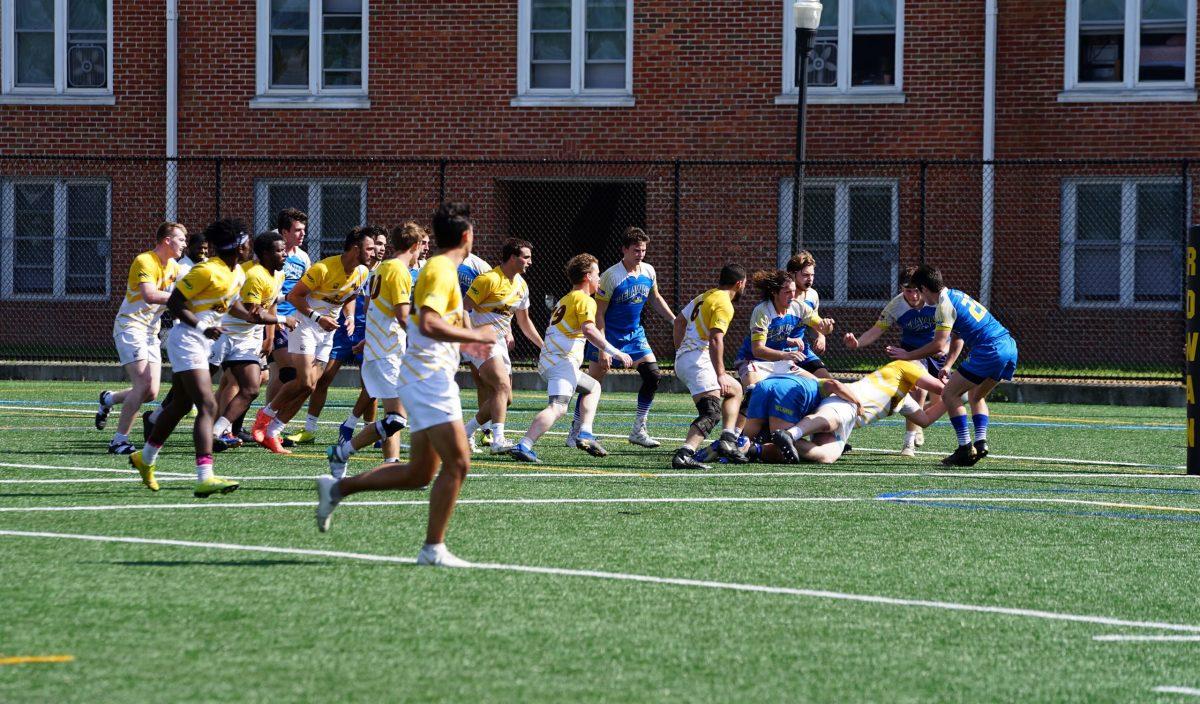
[(775, 342), (914, 318), (803, 269), (472, 266), (992, 358), (625, 288)]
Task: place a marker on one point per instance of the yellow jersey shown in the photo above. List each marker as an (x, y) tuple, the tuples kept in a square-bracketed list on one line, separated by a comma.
[(391, 286), (711, 310), (330, 285), (564, 339), (497, 298), (437, 289), (262, 288), (210, 288), (883, 389), (135, 312)]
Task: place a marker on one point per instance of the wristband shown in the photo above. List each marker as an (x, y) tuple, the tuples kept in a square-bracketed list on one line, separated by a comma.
[(314, 316), (608, 347)]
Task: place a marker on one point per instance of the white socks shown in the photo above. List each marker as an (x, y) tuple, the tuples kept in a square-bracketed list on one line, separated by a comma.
[(275, 427), (310, 423), (222, 426)]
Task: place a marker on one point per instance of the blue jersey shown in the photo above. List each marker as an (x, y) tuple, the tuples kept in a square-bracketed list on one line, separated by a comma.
[(471, 267), (774, 329), (967, 318), (413, 273), (785, 396), (916, 324), (294, 267), (626, 293)]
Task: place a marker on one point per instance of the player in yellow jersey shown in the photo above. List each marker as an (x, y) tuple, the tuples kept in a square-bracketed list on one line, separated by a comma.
[(324, 289), (197, 303), (495, 298), (135, 331), (700, 362), (571, 323), (388, 309), (881, 393), (429, 392)]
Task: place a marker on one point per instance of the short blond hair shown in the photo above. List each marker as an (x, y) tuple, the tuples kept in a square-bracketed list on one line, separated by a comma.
[(164, 230)]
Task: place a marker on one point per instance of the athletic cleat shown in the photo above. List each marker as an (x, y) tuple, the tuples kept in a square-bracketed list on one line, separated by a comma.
[(786, 446), (337, 466), (275, 445), (219, 445), (102, 412), (524, 454), (920, 441), (121, 448), (847, 449), (304, 437), (345, 433), (727, 447), (245, 437), (706, 454), (147, 425), (486, 436), (259, 430), (589, 444), (145, 470), (909, 450), (573, 434), (639, 436), (501, 447), (964, 456), (472, 445), (325, 502), (981, 450), (214, 485), (439, 556), (685, 458), (286, 442), (231, 440)]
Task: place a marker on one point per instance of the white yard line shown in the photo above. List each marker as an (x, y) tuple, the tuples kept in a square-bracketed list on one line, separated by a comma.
[(90, 469), (644, 579), (1179, 690), (1122, 638)]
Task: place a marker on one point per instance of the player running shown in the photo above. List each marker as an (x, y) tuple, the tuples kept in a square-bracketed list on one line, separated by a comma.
[(197, 303), (992, 359), (625, 288), (699, 335), (427, 387), (803, 269), (135, 331), (909, 312), (292, 224), (494, 298)]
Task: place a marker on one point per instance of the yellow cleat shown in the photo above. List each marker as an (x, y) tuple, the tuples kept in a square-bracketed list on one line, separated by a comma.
[(214, 485), (304, 437), (145, 470)]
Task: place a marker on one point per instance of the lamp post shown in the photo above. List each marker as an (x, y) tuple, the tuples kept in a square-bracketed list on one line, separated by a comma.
[(807, 16)]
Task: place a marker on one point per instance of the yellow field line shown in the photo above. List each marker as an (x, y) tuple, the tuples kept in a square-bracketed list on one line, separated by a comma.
[(28, 659)]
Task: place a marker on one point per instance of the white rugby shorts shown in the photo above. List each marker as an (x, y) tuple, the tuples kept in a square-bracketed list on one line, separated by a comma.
[(500, 349), (381, 377), (135, 343), (311, 340), (187, 348), (432, 401), (696, 370)]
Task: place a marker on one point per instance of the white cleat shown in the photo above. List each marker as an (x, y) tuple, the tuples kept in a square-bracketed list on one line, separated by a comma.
[(325, 502), (471, 444), (439, 556), (920, 437), (909, 450), (502, 447), (639, 436)]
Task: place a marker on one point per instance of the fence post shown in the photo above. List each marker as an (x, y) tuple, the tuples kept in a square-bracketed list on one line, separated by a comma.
[(217, 176), (924, 170), (442, 181), (1192, 366), (678, 257), (1185, 224)]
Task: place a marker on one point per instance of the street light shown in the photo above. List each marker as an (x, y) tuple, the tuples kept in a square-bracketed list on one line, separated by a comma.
[(807, 16)]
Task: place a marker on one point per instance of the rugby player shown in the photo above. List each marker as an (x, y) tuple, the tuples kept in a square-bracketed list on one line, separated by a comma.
[(803, 269)]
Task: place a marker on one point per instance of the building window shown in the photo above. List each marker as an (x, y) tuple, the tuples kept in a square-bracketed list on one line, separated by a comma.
[(573, 52), (858, 53), (1121, 243), (312, 53), (55, 238), (333, 207), (852, 228), (1127, 47), (56, 51)]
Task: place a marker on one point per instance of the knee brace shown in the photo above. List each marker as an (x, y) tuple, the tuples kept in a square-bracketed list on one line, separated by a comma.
[(710, 415), (649, 373), (745, 404), (560, 402), (391, 424), (287, 374)]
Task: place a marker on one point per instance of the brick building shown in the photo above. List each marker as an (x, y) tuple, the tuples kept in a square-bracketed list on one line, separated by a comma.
[(1055, 249)]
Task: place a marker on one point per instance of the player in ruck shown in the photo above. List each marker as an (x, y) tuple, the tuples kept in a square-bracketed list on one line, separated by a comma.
[(909, 312), (571, 323), (429, 392), (135, 331), (992, 359), (699, 335), (625, 288)]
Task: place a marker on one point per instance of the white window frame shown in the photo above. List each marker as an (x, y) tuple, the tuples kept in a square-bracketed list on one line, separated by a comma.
[(1130, 89), (59, 93), (312, 96), (844, 92), (1126, 246), (59, 243), (264, 220), (576, 95), (841, 234)]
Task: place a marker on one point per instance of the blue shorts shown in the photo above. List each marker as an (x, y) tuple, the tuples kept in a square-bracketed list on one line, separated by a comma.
[(281, 338), (811, 361), (994, 360), (776, 397), (343, 344), (633, 344)]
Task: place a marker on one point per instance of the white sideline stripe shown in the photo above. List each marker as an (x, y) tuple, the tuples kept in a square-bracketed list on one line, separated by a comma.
[(91, 469), (645, 579), (1179, 690), (46, 408), (1022, 500), (1144, 639)]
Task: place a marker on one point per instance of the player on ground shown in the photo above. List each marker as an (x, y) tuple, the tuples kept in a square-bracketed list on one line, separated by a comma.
[(494, 298), (699, 335), (625, 287), (572, 321), (427, 387), (388, 313), (197, 303), (992, 359), (803, 269), (909, 312), (292, 224), (881, 393), (324, 289), (135, 331)]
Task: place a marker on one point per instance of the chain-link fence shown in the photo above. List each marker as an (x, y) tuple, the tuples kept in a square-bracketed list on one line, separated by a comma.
[(1082, 260)]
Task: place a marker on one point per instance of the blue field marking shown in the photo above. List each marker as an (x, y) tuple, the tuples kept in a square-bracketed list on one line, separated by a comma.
[(898, 498)]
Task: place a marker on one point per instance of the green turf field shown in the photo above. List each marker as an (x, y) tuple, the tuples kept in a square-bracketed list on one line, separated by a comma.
[(1048, 572)]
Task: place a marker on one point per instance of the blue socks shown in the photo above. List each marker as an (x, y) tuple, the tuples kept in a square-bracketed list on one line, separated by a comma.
[(980, 422), (961, 430)]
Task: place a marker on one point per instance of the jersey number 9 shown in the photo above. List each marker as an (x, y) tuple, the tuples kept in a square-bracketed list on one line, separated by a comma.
[(558, 314)]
